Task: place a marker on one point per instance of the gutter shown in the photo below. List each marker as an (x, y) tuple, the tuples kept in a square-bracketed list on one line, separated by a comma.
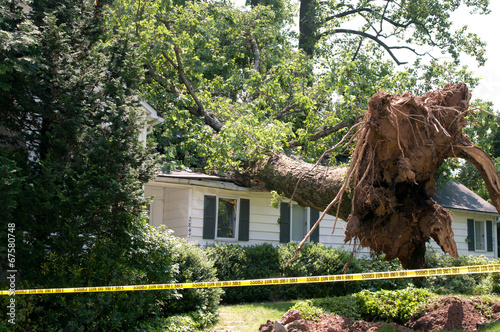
[(201, 183), (485, 213)]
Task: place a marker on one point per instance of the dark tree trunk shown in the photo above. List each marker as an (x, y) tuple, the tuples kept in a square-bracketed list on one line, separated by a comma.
[(307, 26)]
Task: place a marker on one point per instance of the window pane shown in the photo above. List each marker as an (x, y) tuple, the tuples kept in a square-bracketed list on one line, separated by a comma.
[(299, 223), (226, 220), (480, 236)]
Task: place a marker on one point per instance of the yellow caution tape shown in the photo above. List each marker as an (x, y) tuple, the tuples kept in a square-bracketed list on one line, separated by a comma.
[(270, 281)]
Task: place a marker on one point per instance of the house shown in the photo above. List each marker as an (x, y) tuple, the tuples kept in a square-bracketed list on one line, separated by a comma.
[(210, 209), (475, 221)]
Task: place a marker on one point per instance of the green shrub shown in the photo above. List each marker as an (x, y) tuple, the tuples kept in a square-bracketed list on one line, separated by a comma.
[(397, 306), (307, 309), (377, 263), (495, 279), (176, 323), (315, 259), (471, 284), (193, 265), (348, 306), (155, 256), (234, 262)]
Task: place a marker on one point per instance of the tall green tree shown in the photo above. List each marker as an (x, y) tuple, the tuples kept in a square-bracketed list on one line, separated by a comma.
[(70, 121)]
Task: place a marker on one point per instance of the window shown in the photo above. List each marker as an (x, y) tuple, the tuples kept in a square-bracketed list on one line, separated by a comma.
[(296, 221), (299, 223), (226, 218), (480, 235)]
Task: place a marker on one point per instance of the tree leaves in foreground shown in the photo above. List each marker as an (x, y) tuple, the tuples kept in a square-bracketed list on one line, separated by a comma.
[(70, 121)]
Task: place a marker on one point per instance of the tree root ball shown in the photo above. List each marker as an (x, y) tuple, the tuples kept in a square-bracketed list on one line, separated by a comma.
[(401, 145)]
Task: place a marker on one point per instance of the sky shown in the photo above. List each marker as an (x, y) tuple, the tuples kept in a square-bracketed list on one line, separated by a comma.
[(487, 27)]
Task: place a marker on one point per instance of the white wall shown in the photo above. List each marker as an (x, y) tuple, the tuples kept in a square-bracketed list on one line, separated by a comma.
[(183, 205), (459, 227), (170, 207), (180, 208)]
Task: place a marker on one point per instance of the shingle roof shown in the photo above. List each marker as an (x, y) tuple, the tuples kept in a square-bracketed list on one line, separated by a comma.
[(455, 195)]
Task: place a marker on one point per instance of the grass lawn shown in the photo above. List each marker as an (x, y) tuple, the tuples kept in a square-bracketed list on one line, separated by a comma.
[(248, 317)]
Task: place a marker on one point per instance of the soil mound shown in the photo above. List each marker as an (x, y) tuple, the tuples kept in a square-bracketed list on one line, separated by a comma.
[(453, 314), (325, 323), (450, 313)]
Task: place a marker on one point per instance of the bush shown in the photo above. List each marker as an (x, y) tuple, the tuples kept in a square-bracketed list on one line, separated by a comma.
[(314, 259), (347, 306), (307, 309), (234, 262), (193, 265), (155, 256), (377, 263), (397, 306), (471, 284)]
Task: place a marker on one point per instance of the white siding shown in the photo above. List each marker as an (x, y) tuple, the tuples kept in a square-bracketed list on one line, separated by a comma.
[(184, 204), (459, 227), (156, 206), (176, 210), (169, 207)]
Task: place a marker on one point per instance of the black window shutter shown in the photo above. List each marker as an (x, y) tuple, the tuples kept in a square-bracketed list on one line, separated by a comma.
[(489, 235), (209, 213), (244, 225), (285, 223), (313, 217), (470, 234)]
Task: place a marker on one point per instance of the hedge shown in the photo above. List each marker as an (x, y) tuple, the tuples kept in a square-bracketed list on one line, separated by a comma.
[(235, 262)]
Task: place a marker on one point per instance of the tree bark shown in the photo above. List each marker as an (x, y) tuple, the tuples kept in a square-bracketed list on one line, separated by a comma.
[(310, 185), (307, 26)]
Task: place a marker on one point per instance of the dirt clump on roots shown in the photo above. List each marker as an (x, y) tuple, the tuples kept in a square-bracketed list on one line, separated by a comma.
[(401, 144), (450, 313)]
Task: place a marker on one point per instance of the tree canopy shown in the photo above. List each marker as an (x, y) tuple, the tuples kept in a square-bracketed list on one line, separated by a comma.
[(239, 83)]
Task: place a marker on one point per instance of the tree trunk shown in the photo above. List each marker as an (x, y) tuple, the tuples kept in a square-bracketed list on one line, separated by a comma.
[(307, 26), (402, 142), (310, 186)]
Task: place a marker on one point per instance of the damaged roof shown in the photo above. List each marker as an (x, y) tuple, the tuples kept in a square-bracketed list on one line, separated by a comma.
[(455, 195), (199, 179)]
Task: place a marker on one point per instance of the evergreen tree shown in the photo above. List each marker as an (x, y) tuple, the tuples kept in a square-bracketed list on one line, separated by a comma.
[(70, 121)]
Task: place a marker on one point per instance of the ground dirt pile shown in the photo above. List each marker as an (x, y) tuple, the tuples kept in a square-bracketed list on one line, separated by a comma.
[(402, 143), (454, 314), (450, 313)]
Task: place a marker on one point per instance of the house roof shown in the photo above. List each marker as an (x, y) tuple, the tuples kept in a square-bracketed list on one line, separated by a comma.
[(455, 195), (199, 179)]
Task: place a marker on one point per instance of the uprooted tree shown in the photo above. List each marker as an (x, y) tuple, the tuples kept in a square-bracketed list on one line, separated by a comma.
[(239, 97), (401, 144)]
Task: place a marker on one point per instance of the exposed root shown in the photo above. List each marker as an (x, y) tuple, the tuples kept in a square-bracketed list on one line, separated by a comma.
[(402, 142)]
